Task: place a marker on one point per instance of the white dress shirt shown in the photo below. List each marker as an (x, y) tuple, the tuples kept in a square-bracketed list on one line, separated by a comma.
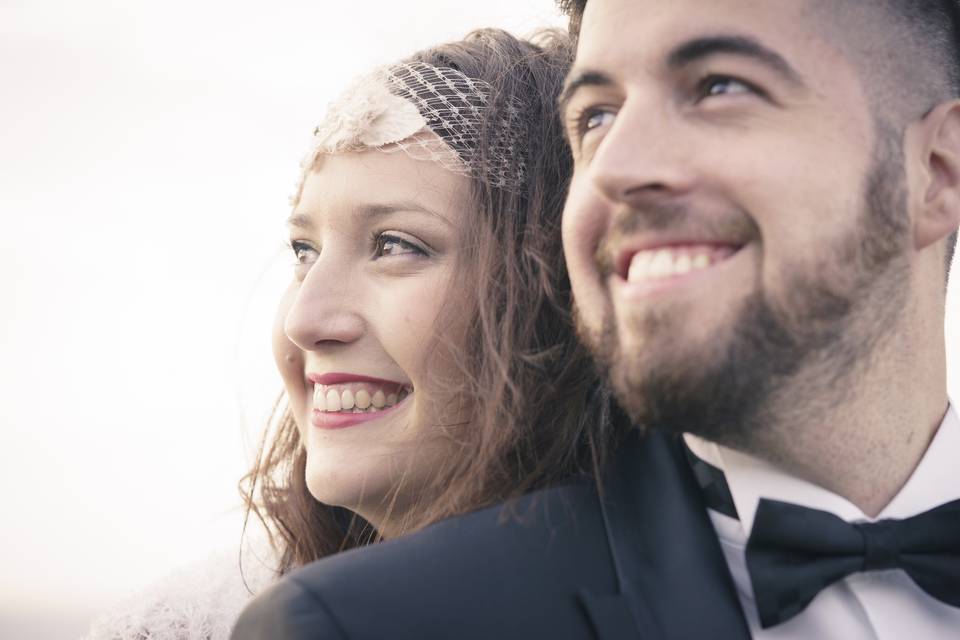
[(878, 605)]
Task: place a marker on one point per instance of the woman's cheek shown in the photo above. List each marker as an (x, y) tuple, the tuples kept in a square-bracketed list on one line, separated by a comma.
[(417, 311), (286, 355)]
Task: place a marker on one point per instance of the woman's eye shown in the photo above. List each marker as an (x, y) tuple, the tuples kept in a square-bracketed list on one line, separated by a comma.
[(303, 253), (387, 245)]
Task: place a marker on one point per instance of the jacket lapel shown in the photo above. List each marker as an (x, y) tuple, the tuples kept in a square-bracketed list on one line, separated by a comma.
[(673, 577), (611, 616)]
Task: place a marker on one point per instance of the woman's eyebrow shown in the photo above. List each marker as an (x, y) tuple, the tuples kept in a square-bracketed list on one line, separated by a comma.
[(372, 211), (300, 220), (380, 209)]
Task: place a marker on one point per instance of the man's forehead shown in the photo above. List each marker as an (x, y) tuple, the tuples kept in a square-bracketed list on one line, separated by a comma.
[(624, 34), (641, 45)]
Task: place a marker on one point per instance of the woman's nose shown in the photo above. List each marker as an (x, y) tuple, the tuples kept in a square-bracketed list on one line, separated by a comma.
[(326, 309)]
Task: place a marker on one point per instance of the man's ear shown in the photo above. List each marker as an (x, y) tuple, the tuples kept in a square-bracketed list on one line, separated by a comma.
[(937, 214)]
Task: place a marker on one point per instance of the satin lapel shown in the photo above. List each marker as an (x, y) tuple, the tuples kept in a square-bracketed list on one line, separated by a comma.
[(672, 572)]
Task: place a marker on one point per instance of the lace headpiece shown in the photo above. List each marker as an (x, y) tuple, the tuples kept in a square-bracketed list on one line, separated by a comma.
[(430, 113)]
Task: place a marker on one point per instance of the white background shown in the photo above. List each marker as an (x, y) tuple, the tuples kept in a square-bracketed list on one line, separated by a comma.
[(146, 153), (147, 150)]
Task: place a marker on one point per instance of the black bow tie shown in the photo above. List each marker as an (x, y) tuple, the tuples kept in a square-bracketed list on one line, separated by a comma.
[(795, 552)]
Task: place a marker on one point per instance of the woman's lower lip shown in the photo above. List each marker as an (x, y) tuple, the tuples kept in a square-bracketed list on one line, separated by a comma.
[(341, 420)]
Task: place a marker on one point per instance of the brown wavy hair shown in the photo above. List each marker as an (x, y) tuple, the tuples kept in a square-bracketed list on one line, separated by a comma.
[(538, 413)]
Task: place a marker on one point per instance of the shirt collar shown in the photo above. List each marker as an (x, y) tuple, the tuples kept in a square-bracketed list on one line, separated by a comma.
[(936, 480)]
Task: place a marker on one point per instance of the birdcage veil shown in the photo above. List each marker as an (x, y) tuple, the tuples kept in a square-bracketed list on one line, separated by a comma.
[(431, 113)]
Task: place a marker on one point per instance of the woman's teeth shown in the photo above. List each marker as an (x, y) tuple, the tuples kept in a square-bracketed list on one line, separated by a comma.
[(336, 398)]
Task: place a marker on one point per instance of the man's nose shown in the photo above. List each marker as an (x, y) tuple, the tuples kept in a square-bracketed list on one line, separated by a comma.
[(645, 153), (327, 309)]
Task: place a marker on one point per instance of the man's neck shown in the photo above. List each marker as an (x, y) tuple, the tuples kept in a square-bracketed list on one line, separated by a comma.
[(862, 438)]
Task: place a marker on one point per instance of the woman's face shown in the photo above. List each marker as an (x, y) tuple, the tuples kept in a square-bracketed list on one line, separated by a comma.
[(374, 240)]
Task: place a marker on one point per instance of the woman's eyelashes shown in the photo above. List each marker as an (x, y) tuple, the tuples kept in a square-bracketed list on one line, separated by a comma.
[(303, 253), (389, 244)]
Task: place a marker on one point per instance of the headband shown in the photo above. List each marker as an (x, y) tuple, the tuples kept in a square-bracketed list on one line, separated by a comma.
[(436, 114)]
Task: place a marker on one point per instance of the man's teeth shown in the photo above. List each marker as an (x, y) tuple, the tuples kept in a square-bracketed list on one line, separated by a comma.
[(331, 399), (663, 263)]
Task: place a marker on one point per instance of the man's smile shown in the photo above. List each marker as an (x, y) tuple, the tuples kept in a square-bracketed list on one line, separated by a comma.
[(644, 268)]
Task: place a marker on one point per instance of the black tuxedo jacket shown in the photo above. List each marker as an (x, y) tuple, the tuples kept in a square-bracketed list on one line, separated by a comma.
[(638, 560)]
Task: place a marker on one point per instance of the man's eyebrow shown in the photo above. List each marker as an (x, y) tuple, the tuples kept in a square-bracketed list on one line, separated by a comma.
[(579, 79), (700, 48), (686, 54)]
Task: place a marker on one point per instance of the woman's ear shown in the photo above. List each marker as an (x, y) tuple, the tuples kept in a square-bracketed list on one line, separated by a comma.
[(937, 215)]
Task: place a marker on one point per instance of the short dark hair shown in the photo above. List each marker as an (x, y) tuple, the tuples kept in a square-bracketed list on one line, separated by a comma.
[(933, 25), (573, 9)]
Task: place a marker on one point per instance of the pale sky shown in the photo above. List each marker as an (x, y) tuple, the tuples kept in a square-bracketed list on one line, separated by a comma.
[(147, 150)]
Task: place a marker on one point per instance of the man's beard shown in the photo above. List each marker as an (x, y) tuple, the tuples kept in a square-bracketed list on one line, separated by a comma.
[(798, 354)]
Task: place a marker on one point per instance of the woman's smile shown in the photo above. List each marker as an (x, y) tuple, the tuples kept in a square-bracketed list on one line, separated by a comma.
[(329, 414), (344, 400)]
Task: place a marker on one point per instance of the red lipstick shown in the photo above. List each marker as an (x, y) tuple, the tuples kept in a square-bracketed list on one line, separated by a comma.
[(339, 420)]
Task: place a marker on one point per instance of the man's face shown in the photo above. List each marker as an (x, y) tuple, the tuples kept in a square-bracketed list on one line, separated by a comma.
[(736, 215)]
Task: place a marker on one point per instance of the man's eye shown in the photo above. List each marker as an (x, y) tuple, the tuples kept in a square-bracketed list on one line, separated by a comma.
[(591, 119), (387, 244), (597, 119), (723, 86)]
